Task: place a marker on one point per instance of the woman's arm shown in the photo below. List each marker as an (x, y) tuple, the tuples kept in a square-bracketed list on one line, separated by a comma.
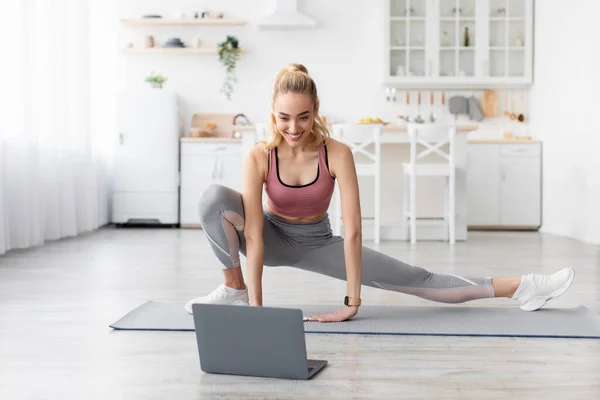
[(345, 173), (253, 225), (341, 165)]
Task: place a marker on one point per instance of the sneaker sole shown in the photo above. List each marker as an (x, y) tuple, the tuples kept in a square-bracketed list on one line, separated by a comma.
[(188, 306), (535, 303)]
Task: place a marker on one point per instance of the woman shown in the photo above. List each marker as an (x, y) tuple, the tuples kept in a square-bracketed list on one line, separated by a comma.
[(298, 168)]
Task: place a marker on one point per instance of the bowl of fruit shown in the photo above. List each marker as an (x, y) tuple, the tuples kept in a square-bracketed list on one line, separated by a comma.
[(370, 120)]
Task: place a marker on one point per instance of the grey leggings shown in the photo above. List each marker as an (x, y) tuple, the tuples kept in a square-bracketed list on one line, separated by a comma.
[(312, 247)]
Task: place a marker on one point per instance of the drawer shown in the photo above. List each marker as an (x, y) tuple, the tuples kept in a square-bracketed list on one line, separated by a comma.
[(211, 149), (520, 150)]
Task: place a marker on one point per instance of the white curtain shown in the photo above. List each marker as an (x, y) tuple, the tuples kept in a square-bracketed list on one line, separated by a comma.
[(52, 178)]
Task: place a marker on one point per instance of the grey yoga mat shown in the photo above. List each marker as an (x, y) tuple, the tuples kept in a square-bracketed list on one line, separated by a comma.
[(577, 322)]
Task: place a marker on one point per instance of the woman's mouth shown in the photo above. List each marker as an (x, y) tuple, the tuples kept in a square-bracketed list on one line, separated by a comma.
[(295, 136)]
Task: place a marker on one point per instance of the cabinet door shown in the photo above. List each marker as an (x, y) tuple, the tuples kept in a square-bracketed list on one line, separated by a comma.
[(407, 45), (508, 33), (197, 173), (456, 39), (521, 191), (483, 185), (229, 172)]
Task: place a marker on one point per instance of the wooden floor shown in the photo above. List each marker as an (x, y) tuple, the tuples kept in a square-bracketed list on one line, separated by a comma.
[(57, 301)]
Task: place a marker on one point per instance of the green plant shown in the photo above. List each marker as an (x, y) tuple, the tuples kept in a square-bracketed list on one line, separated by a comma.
[(229, 54), (154, 78)]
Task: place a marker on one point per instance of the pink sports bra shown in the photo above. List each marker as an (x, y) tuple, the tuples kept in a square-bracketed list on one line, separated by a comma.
[(300, 201)]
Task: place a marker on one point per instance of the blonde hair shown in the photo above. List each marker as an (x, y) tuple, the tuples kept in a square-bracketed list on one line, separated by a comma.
[(294, 78)]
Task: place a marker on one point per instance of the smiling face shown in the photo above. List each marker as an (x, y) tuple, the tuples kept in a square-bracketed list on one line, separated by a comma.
[(294, 116)]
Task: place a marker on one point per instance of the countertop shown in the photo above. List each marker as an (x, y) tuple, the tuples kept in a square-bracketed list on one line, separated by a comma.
[(391, 128)]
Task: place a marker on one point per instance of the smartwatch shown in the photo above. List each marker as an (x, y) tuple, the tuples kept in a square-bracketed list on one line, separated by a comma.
[(349, 301)]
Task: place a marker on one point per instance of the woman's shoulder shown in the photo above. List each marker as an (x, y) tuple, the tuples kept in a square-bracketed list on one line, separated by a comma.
[(257, 157), (258, 151), (336, 148)]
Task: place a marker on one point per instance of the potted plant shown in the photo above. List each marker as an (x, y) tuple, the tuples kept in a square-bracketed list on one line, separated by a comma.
[(229, 54), (156, 80)]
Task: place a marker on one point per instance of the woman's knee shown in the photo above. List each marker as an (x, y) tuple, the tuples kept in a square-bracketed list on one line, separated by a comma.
[(216, 198)]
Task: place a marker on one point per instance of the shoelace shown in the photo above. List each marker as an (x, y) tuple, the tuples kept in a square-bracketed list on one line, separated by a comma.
[(542, 279)]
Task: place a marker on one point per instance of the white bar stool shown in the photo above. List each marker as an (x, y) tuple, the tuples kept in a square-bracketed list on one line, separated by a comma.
[(433, 137), (358, 137)]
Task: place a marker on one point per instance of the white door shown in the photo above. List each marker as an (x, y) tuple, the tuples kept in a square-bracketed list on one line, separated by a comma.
[(197, 173), (483, 185), (521, 203)]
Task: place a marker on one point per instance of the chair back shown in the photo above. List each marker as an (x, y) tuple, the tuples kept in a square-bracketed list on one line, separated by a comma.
[(360, 137), (428, 139)]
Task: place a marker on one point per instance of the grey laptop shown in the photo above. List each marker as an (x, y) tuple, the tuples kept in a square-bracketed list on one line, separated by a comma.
[(253, 341)]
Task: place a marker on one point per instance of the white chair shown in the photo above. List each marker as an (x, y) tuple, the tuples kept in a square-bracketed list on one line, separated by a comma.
[(263, 131), (433, 137), (358, 137)]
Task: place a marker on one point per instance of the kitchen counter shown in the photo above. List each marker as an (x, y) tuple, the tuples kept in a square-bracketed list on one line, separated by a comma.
[(504, 141), (392, 133)]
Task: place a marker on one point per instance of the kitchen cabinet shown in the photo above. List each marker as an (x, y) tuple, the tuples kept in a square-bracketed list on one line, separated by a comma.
[(204, 163), (458, 43), (504, 185)]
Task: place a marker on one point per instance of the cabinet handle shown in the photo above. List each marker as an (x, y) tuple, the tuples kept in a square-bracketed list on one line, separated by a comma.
[(121, 138), (214, 169), (220, 170), (219, 148)]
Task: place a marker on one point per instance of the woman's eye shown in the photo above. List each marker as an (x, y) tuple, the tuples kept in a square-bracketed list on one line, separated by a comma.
[(304, 118)]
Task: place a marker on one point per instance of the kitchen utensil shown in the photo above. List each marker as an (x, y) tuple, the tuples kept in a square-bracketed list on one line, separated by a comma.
[(490, 103), (521, 117), (443, 98), (418, 118), (431, 115), (458, 105), (475, 112), (407, 119), (513, 116), (407, 111), (506, 110)]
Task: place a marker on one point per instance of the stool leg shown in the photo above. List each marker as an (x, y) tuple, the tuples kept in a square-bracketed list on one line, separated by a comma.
[(338, 214), (377, 233), (447, 209), (405, 200), (413, 206), (452, 206)]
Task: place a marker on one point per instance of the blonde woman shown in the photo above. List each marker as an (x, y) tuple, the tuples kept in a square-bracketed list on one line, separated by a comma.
[(298, 168)]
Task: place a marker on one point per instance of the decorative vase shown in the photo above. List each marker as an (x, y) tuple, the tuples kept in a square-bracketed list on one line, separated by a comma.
[(156, 85), (149, 42)]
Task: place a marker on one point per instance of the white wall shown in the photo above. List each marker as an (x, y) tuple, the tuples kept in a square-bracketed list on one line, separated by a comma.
[(564, 114), (344, 56)]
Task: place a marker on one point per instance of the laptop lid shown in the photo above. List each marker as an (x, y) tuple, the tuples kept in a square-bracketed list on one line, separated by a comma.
[(253, 341)]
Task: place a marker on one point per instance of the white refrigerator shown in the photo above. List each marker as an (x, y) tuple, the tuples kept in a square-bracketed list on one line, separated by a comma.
[(146, 163)]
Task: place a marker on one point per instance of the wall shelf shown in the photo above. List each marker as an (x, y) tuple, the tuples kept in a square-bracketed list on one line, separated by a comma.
[(172, 50), (188, 21)]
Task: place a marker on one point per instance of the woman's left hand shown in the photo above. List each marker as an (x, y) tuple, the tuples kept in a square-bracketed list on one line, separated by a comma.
[(344, 314)]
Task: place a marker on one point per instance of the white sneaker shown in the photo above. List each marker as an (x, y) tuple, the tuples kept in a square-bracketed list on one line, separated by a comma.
[(219, 296), (545, 288)]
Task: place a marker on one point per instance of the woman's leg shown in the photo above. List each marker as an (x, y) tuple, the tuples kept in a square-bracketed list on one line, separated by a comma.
[(385, 272), (222, 218)]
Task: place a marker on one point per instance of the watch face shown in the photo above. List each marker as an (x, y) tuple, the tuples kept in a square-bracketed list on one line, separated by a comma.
[(346, 300)]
